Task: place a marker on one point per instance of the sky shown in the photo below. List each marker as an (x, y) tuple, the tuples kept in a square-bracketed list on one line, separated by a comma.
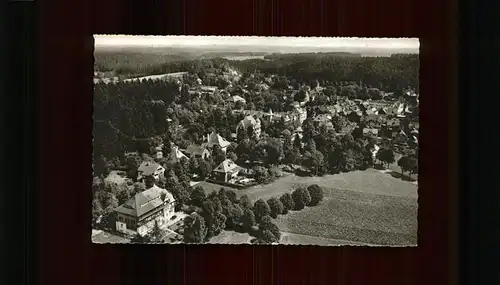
[(299, 42)]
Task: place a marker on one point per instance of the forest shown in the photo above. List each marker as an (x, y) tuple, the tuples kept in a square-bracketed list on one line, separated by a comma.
[(134, 116)]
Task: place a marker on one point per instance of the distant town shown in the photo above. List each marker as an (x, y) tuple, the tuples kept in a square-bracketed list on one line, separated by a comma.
[(304, 148)]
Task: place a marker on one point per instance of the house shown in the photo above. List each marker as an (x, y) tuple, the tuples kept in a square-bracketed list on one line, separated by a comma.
[(208, 89), (298, 113), (197, 151), (176, 155), (374, 150), (159, 151), (249, 122), (150, 168), (370, 132), (383, 111), (140, 213), (226, 171), (371, 111), (401, 137), (236, 98), (269, 115), (215, 139)]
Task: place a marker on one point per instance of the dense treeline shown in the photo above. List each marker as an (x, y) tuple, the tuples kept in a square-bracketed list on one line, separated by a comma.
[(129, 115), (386, 73), (130, 62), (396, 72)]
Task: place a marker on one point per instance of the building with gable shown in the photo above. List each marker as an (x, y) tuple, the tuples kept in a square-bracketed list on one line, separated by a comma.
[(249, 122), (140, 213)]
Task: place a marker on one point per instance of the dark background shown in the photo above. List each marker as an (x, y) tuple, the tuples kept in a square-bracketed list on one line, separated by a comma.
[(58, 180)]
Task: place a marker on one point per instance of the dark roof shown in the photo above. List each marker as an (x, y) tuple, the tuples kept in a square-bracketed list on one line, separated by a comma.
[(195, 149), (227, 166), (145, 202), (148, 167), (216, 139)]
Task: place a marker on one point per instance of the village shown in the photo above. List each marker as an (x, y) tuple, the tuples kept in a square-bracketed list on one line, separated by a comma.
[(237, 170)]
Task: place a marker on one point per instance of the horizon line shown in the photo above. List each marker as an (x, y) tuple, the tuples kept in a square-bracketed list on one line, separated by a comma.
[(254, 41)]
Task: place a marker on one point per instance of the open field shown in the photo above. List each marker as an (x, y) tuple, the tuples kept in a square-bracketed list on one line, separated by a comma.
[(367, 207), (297, 239), (231, 237), (244, 57), (99, 236), (369, 181), (356, 216)]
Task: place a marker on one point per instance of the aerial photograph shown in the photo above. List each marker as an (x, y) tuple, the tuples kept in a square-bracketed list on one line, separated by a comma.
[(255, 140)]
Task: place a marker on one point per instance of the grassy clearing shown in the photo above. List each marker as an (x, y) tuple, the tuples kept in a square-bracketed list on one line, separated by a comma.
[(360, 206), (350, 215), (369, 181), (297, 239), (231, 237), (105, 237)]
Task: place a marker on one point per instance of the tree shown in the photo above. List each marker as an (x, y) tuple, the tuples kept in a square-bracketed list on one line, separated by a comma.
[(139, 187), (297, 143), (274, 151), (268, 231), (261, 174), (181, 196), (198, 196), (287, 201), (404, 164), (205, 169), (212, 213), (231, 195), (248, 219), (313, 160), (195, 229), (138, 239), (123, 194), (218, 155), (300, 96), (347, 161), (301, 198), (97, 210), (157, 234), (243, 150), (149, 181), (386, 155), (235, 216), (413, 165), (245, 202), (275, 206), (261, 209), (316, 194)]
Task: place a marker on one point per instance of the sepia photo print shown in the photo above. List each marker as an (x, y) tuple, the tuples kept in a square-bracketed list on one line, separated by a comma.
[(255, 140)]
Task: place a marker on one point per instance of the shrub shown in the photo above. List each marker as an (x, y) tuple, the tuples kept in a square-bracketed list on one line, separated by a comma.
[(195, 229), (287, 201), (316, 194), (248, 219), (301, 198), (261, 209), (275, 206)]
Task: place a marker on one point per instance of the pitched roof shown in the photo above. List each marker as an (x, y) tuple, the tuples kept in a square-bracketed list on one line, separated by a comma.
[(216, 139), (148, 167), (195, 149), (177, 154), (237, 98), (145, 202), (370, 131), (249, 121), (227, 166)]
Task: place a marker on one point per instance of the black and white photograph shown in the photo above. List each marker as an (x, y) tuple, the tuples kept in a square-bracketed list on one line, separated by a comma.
[(255, 140)]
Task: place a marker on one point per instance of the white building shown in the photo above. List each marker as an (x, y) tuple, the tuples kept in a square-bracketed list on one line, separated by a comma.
[(140, 213), (249, 122)]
